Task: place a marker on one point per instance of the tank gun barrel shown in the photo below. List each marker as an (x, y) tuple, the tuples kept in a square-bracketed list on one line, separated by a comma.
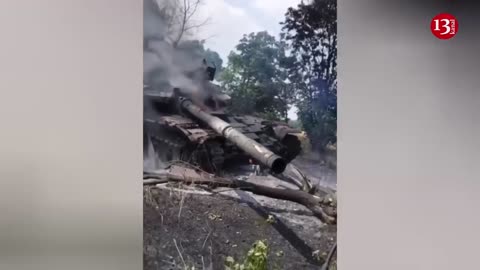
[(256, 150)]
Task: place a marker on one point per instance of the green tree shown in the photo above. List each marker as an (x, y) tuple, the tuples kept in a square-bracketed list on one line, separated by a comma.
[(256, 77), (310, 30)]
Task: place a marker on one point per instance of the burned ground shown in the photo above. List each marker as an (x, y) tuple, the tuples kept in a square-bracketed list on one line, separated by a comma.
[(184, 229)]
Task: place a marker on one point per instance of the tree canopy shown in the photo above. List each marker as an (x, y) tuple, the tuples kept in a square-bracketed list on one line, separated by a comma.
[(268, 76), (256, 77), (310, 30)]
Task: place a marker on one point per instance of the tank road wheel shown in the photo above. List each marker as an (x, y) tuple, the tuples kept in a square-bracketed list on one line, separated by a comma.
[(167, 150), (216, 156), (209, 157)]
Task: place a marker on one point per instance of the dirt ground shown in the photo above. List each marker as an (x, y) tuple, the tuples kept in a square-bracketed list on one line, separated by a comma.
[(183, 230)]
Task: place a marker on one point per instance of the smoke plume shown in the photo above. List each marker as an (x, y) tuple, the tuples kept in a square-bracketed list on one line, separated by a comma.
[(167, 66)]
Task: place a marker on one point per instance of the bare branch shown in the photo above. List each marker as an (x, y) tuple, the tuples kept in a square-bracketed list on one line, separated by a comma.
[(190, 27), (209, 37), (195, 7), (186, 7)]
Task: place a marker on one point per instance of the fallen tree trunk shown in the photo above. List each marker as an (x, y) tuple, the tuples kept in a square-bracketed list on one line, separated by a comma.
[(312, 202)]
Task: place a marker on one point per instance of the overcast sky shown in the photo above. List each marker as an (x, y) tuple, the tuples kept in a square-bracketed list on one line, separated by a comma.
[(230, 19)]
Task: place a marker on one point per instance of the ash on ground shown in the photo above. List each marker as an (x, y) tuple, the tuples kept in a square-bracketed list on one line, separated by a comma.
[(187, 227)]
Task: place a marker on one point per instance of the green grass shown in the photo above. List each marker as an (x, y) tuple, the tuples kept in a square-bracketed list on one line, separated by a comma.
[(256, 258)]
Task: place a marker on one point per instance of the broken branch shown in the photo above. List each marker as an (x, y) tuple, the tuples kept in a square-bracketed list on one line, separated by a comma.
[(312, 202)]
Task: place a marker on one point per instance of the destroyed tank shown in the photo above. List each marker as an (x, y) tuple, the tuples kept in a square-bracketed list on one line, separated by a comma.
[(197, 129)]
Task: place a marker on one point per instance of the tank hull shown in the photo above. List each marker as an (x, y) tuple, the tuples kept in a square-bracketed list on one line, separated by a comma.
[(177, 137)]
